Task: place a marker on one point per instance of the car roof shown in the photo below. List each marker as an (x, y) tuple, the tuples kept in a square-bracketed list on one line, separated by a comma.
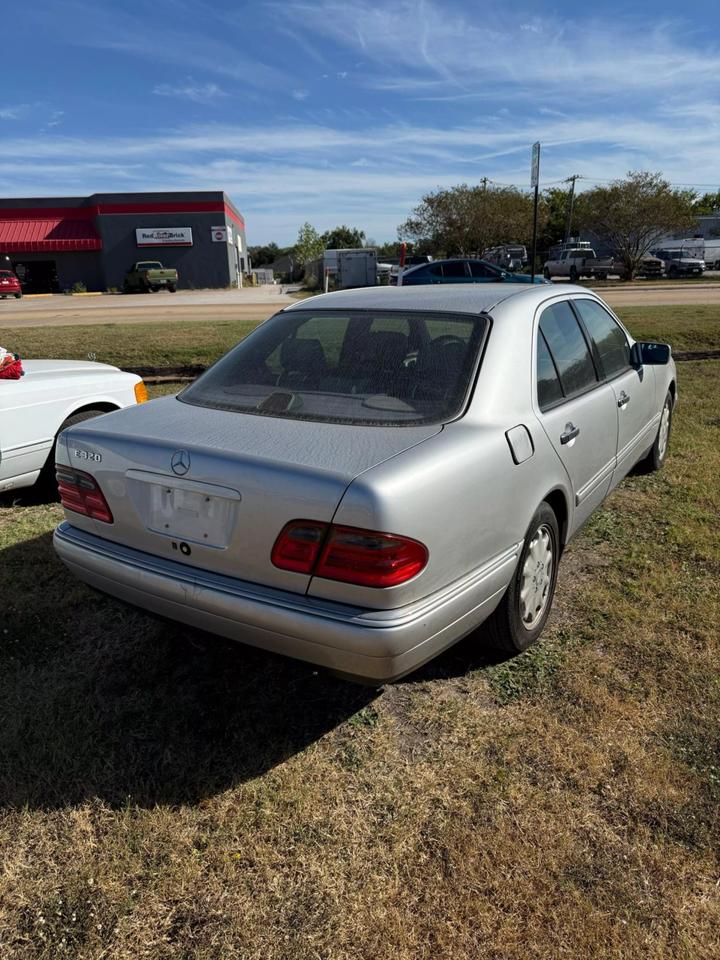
[(454, 298)]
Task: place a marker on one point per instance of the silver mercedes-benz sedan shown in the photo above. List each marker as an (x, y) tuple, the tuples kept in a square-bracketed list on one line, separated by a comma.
[(371, 474)]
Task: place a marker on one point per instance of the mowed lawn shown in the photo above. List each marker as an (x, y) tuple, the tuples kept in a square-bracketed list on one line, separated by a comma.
[(200, 342), (166, 794)]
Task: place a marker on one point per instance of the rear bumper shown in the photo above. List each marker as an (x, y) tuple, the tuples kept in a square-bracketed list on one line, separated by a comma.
[(373, 645)]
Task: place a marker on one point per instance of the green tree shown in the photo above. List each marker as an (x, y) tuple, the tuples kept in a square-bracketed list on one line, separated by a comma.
[(633, 215), (309, 244), (343, 238), (264, 254), (557, 202), (465, 220), (707, 203)]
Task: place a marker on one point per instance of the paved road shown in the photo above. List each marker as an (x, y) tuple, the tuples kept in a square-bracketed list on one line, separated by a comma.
[(659, 294), (257, 303), (251, 303)]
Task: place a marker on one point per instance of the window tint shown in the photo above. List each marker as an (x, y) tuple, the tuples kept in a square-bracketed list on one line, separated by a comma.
[(479, 269), (611, 342), (368, 367), (454, 268), (568, 348), (548, 385)]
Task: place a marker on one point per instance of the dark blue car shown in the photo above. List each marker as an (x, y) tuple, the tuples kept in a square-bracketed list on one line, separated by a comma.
[(462, 271)]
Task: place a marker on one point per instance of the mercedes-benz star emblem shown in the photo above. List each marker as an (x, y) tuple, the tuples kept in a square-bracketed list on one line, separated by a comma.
[(180, 462)]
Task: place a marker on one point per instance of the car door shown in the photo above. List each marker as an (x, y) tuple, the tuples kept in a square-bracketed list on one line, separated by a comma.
[(576, 408), (637, 408)]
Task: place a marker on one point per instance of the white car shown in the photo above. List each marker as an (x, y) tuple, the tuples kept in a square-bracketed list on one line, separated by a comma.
[(52, 395)]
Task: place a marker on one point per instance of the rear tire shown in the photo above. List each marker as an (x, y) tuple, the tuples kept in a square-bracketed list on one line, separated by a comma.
[(522, 613), (546, 274), (171, 287), (573, 275), (658, 454), (46, 482), (18, 296)]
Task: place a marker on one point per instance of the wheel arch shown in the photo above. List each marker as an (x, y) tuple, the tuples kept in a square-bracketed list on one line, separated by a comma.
[(558, 503), (105, 406)]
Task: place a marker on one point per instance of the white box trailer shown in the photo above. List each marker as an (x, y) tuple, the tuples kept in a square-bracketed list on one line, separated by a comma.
[(351, 268)]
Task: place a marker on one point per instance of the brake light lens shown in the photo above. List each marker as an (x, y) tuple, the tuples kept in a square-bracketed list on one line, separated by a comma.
[(298, 545), (349, 554), (141, 394), (80, 493)]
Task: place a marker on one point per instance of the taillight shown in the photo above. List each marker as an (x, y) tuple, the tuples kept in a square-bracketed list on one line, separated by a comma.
[(298, 545), (363, 557), (80, 493)]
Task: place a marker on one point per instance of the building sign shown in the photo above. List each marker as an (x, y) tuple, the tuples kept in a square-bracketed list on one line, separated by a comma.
[(164, 237), (220, 234)]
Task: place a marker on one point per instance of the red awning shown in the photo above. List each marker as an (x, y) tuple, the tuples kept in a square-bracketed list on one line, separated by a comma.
[(47, 236)]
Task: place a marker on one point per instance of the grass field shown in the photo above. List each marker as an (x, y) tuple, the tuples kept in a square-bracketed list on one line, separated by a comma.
[(191, 342), (166, 795)]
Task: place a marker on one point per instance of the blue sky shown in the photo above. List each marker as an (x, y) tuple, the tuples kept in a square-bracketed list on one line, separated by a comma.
[(335, 112)]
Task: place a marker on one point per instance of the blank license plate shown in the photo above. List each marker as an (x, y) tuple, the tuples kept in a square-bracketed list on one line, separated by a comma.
[(191, 515)]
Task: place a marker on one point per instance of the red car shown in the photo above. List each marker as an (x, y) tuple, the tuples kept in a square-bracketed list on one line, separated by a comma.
[(9, 285)]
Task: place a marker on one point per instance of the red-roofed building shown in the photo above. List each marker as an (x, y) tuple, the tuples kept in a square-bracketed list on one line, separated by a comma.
[(55, 243)]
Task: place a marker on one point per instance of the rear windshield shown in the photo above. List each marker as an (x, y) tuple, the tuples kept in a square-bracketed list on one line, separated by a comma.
[(365, 367)]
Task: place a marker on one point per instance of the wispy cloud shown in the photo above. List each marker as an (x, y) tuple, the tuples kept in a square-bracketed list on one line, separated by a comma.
[(198, 93), (427, 47), (13, 113), (300, 94), (115, 29)]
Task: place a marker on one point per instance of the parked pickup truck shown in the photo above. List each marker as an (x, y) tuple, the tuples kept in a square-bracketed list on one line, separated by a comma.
[(52, 395), (148, 276), (577, 263), (680, 263)]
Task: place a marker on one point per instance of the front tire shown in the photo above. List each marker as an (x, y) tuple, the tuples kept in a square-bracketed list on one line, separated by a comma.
[(573, 275), (522, 613)]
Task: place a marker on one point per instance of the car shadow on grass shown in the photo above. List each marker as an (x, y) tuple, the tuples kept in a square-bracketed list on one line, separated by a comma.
[(102, 701)]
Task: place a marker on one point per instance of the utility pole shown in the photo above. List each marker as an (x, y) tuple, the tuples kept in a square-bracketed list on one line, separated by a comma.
[(571, 201)]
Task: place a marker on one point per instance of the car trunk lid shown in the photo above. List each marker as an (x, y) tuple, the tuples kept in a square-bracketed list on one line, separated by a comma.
[(214, 488)]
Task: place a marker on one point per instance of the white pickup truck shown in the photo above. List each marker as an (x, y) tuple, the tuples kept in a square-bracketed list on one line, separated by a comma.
[(52, 395), (577, 263)]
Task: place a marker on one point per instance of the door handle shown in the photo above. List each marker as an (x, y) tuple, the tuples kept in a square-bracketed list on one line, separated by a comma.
[(623, 399), (571, 431)]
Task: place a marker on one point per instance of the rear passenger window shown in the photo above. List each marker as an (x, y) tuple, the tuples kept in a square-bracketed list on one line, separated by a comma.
[(548, 385), (568, 348), (609, 339), (454, 268)]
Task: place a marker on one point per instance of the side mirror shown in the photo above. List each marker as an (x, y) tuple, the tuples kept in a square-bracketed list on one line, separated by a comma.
[(647, 353), (503, 274)]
